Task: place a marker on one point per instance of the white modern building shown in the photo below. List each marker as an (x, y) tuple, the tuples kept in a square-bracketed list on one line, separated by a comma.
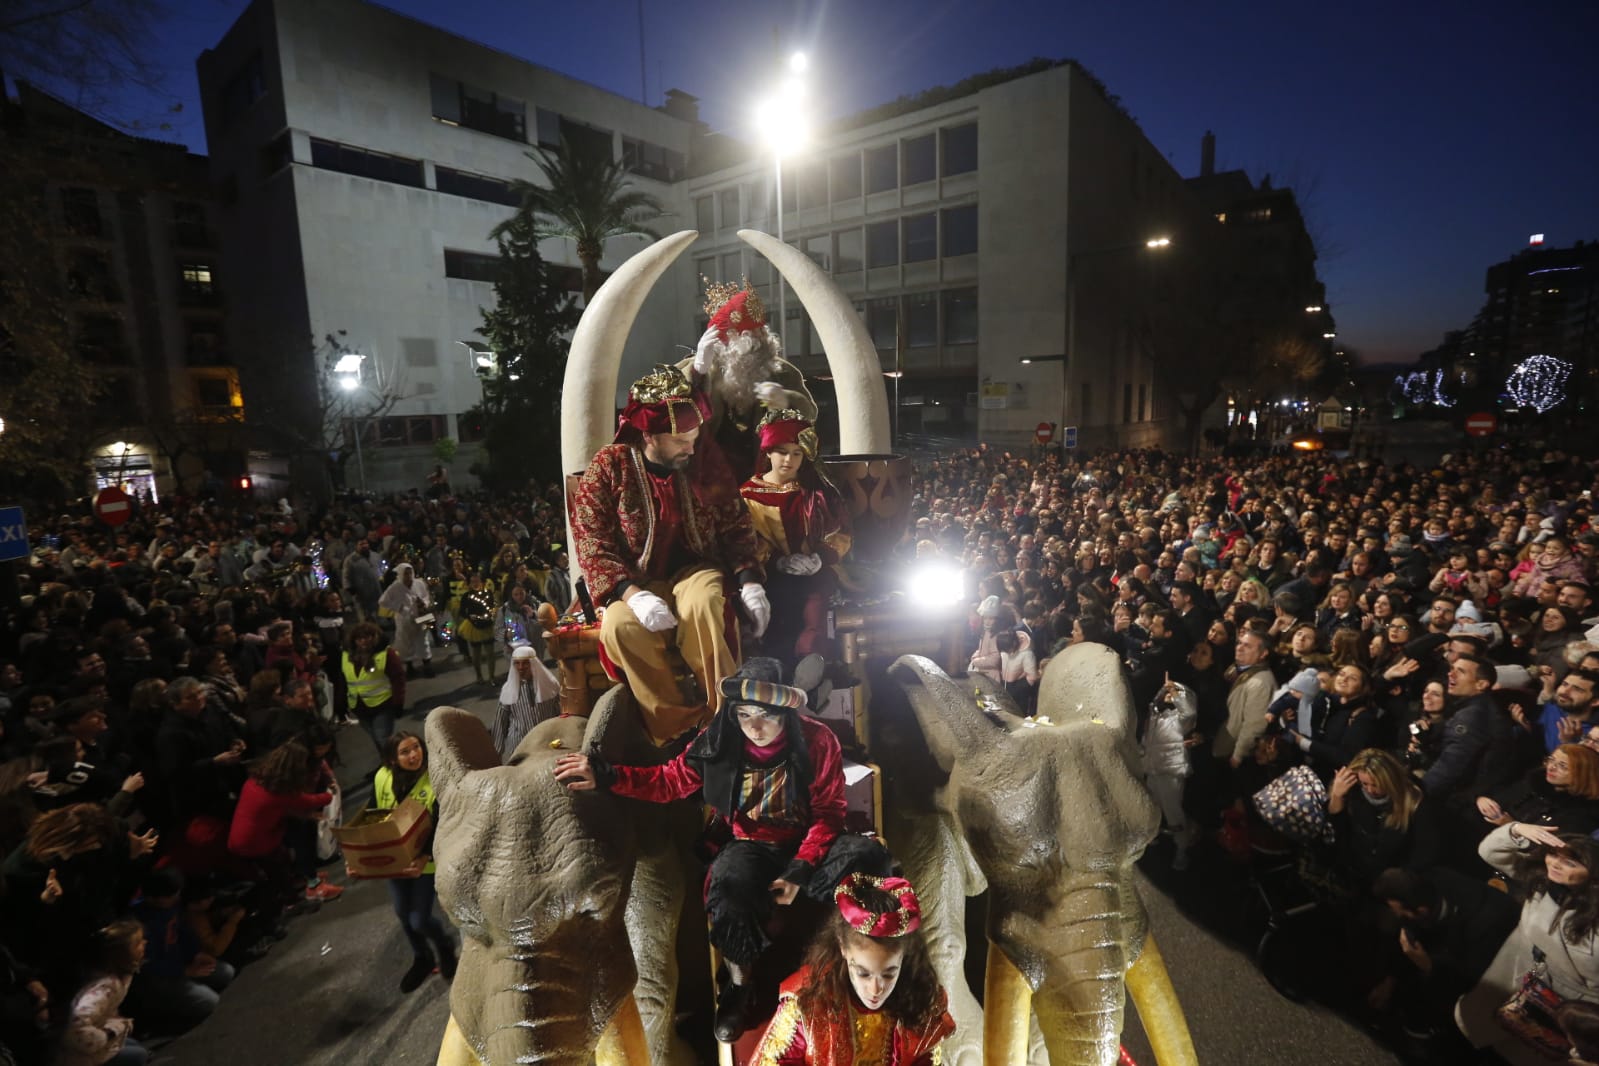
[(994, 240)]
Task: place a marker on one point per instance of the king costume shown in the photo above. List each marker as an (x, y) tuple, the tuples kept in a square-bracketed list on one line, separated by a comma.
[(680, 534)]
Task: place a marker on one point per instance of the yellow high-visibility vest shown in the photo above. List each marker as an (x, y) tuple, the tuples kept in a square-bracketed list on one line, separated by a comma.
[(370, 687)]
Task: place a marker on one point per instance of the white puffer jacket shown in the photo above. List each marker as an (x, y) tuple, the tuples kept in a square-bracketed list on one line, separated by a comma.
[(1163, 735)]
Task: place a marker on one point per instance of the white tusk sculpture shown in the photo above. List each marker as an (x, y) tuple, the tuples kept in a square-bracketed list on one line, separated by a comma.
[(588, 392), (863, 426)]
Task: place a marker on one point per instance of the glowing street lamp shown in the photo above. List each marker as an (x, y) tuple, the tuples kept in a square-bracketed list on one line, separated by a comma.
[(784, 128), (1313, 309)]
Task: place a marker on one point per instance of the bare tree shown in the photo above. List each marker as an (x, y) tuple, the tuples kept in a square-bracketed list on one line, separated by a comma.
[(82, 51)]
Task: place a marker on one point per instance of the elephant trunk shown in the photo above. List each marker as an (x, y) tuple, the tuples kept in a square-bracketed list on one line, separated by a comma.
[(1074, 957), (534, 1008)]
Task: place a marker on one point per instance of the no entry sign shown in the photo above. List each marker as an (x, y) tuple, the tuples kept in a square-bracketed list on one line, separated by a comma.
[(112, 506), (1481, 424), (1044, 433)]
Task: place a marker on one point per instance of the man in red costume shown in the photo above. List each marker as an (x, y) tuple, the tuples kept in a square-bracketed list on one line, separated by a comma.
[(659, 545)]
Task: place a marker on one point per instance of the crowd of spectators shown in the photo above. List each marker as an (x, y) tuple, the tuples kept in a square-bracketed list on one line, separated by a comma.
[(1405, 652), (173, 692)]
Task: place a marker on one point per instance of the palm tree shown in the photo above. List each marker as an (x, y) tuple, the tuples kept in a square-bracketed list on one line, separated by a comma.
[(585, 198)]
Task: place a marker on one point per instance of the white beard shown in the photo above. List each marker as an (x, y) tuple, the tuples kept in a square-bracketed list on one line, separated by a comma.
[(739, 367)]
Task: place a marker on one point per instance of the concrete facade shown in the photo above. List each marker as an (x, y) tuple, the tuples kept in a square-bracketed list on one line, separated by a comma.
[(973, 233)]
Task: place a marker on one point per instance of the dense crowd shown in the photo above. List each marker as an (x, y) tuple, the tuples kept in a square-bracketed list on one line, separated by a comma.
[(172, 692), (1382, 672), (1384, 675)]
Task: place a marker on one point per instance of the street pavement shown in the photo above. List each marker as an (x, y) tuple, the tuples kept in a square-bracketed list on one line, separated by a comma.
[(328, 994)]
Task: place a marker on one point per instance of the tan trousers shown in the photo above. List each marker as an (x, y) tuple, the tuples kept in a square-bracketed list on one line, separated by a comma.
[(697, 596)]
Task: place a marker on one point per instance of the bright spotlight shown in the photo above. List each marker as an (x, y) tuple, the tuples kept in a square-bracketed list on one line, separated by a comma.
[(349, 382), (799, 63), (349, 363), (1158, 242), (935, 585)]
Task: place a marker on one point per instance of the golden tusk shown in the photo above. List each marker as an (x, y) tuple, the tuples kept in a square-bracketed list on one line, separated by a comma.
[(1151, 989), (1007, 1011), (455, 1051), (623, 1043)]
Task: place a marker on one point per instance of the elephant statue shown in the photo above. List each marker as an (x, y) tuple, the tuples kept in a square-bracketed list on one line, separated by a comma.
[(1049, 816), (546, 886)]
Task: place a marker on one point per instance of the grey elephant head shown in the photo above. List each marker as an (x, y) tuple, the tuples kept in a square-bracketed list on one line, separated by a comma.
[(536, 878), (1054, 815)]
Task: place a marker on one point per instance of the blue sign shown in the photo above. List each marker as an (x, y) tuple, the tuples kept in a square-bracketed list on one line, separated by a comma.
[(1069, 437), (13, 534)]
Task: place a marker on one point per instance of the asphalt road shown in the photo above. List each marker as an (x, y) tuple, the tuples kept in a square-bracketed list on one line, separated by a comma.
[(327, 995)]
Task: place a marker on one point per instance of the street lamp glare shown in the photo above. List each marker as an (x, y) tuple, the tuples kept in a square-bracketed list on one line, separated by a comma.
[(799, 63), (349, 382), (1313, 309), (1329, 336), (1158, 242), (781, 126)]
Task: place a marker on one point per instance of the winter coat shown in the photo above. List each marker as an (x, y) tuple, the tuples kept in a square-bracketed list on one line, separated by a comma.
[(1164, 752)]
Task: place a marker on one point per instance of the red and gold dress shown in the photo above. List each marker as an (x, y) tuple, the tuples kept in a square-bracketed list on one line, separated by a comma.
[(792, 519), (848, 1036)]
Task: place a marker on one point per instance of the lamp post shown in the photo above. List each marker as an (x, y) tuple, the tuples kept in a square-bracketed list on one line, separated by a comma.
[(780, 120), (1154, 244), (347, 371)]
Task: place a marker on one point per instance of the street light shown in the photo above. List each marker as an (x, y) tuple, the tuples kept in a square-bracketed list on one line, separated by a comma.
[(781, 122), (1313, 309)]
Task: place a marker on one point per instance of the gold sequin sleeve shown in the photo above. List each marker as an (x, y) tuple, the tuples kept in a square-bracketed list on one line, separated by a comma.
[(784, 1043)]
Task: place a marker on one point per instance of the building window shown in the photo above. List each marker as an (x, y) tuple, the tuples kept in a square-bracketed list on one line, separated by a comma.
[(921, 320), (360, 163), (1127, 403), (471, 266), (549, 128), (476, 187), (213, 392), (732, 267), (80, 209), (197, 283), (811, 178), (102, 340), (847, 177), (849, 251), (90, 278), (819, 250), (882, 244), (960, 230), (589, 140), (882, 168), (461, 104), (882, 322), (651, 160), (960, 149), (919, 159), (960, 316), (203, 346), (246, 86), (705, 213), (727, 200), (189, 226), (921, 237)]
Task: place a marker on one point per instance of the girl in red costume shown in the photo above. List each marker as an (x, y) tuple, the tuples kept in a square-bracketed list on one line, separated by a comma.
[(803, 532), (867, 995)]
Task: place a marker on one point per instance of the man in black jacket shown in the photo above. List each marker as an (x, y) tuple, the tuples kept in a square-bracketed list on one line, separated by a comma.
[(199, 753), (1476, 755)]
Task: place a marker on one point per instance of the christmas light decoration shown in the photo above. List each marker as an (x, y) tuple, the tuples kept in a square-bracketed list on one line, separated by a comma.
[(1415, 387), (1438, 396), (1539, 382)]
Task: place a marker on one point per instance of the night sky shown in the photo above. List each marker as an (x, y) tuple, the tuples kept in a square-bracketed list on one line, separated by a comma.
[(1427, 139)]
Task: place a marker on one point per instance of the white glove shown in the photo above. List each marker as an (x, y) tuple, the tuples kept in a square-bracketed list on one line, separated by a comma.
[(771, 394), (759, 607), (799, 565), (652, 612), (702, 350)]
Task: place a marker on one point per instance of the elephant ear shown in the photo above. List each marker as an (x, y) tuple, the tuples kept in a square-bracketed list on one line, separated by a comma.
[(948, 714), (616, 731), (458, 743)]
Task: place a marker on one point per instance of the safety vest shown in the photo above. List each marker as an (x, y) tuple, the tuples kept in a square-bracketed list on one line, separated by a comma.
[(371, 687), (383, 796)]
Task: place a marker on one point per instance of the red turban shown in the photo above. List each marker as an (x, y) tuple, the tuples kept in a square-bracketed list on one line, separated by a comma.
[(663, 401)]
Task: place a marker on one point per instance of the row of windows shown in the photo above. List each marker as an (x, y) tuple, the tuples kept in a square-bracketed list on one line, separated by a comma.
[(884, 168), (914, 238), (461, 104), (475, 186), (922, 318), (397, 431), (475, 266), (362, 163)]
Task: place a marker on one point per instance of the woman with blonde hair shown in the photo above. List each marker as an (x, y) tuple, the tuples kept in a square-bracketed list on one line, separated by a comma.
[(1254, 593), (1561, 793), (1380, 818)]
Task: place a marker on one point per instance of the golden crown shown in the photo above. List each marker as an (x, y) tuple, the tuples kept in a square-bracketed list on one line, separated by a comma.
[(661, 384), (718, 293)]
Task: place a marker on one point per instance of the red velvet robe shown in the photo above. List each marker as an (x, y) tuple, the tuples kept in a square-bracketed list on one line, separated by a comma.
[(792, 1039), (678, 779)]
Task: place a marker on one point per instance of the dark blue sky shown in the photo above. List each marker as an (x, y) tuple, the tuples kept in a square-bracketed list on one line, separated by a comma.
[(1427, 139)]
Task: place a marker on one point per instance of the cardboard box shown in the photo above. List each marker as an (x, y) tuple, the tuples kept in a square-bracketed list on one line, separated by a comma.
[(381, 843)]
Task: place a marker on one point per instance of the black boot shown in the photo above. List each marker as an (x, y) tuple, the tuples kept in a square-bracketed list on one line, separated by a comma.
[(421, 966), (446, 960), (733, 1012), (427, 668)]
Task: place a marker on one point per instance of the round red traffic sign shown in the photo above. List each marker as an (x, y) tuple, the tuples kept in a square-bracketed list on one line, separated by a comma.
[(1044, 433), (112, 506), (1481, 424)]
